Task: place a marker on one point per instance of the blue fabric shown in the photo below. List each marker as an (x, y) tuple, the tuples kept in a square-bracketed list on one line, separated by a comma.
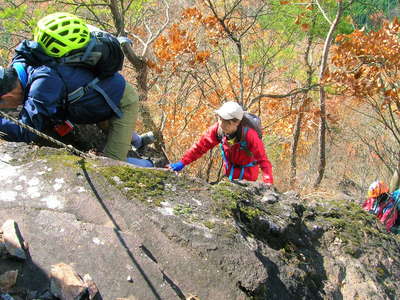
[(243, 144), (396, 197), (146, 163), (47, 87), (94, 85), (178, 166), (22, 76), (136, 140), (245, 166), (33, 51)]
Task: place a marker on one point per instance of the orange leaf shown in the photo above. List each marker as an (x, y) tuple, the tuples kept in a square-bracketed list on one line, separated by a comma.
[(339, 38), (305, 27)]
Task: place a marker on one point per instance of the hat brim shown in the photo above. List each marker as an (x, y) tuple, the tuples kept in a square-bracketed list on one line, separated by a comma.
[(224, 115)]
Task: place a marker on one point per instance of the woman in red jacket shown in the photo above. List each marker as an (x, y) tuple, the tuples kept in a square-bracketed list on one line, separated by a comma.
[(242, 149)]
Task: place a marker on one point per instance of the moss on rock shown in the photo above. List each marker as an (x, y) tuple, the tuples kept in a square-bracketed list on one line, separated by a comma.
[(209, 224), (251, 212), (183, 209), (350, 225), (226, 197), (138, 183), (67, 160)]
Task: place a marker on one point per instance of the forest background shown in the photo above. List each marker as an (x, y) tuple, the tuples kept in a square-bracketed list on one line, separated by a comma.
[(321, 74)]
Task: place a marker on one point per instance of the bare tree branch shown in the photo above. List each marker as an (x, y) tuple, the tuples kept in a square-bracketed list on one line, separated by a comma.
[(323, 12), (282, 96)]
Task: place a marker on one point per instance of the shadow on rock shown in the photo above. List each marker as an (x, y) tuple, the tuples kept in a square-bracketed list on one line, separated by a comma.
[(31, 283), (24, 279), (145, 251)]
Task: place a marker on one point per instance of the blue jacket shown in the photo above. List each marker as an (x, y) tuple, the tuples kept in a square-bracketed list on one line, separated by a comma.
[(46, 87)]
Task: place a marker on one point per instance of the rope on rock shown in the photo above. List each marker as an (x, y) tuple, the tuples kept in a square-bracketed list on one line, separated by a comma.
[(70, 148)]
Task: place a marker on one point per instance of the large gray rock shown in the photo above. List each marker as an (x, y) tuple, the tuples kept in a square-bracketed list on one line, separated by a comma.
[(149, 234)]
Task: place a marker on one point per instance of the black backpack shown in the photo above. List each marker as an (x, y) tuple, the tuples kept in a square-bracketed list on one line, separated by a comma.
[(102, 55)]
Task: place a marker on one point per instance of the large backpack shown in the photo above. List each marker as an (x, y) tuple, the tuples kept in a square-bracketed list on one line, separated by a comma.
[(102, 55), (394, 216), (252, 121)]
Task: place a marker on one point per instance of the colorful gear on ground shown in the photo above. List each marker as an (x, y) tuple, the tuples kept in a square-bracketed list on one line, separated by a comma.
[(377, 188)]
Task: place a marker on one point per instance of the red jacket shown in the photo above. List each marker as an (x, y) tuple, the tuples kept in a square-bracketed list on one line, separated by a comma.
[(234, 155)]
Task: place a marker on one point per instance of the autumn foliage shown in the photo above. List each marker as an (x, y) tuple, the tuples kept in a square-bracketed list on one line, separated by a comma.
[(367, 64), (365, 68), (180, 41), (197, 65), (239, 50)]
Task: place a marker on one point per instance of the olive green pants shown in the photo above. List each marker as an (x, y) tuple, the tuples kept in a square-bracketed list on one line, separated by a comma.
[(120, 130)]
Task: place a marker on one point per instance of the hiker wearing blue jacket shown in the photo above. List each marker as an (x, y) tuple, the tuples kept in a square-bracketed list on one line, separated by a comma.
[(52, 93), (41, 91)]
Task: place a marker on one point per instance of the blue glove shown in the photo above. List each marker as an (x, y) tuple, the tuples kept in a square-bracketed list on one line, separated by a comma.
[(177, 166)]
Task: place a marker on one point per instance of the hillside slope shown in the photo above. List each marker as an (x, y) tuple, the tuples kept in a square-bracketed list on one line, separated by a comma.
[(176, 236)]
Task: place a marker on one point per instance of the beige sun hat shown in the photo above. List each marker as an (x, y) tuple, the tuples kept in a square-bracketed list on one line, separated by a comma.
[(230, 110)]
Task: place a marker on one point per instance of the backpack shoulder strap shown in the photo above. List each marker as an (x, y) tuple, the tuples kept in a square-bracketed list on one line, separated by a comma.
[(243, 141), (220, 134), (243, 136), (22, 74), (81, 91), (93, 84)]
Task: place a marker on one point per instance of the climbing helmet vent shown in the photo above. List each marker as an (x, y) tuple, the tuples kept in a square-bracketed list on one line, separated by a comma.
[(60, 33)]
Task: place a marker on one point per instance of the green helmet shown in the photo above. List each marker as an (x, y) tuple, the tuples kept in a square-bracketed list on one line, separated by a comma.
[(60, 33)]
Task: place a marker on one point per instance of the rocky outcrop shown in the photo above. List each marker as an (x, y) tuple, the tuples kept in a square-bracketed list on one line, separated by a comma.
[(150, 234)]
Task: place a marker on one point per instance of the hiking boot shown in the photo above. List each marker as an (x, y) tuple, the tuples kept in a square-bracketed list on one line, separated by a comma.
[(160, 162), (140, 141), (147, 138)]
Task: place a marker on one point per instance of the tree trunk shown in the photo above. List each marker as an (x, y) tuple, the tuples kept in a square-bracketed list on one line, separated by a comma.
[(322, 98), (141, 69), (300, 114), (293, 150), (295, 141), (321, 139)]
